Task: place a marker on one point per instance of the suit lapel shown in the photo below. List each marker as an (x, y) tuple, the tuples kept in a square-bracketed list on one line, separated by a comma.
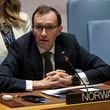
[(36, 60), (60, 62), (59, 59)]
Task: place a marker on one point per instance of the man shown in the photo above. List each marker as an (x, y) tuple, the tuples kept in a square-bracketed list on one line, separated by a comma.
[(25, 68)]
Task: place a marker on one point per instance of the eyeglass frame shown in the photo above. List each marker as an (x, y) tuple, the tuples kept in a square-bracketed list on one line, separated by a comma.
[(40, 28)]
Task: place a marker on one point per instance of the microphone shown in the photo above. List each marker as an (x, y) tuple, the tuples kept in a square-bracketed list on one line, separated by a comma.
[(88, 96), (66, 58)]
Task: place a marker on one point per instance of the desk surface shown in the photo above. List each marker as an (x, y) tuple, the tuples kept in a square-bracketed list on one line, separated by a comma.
[(55, 104)]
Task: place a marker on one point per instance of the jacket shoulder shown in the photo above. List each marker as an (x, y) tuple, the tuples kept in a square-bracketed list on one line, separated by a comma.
[(67, 38), (24, 42)]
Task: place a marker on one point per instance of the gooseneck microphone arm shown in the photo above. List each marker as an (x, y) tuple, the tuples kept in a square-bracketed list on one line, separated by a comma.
[(66, 58)]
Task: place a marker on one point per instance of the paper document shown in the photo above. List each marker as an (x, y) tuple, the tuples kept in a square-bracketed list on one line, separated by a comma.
[(56, 92), (89, 89)]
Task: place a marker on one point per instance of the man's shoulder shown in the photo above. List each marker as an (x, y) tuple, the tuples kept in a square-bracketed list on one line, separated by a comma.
[(67, 37), (24, 43), (67, 42), (65, 34), (25, 37), (25, 40)]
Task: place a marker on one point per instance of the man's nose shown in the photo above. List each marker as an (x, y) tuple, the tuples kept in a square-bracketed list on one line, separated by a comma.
[(44, 33)]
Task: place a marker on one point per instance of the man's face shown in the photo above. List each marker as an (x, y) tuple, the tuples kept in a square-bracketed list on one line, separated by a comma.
[(46, 30)]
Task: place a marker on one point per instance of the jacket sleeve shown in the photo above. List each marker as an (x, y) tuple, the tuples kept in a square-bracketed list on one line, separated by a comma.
[(96, 69), (9, 69)]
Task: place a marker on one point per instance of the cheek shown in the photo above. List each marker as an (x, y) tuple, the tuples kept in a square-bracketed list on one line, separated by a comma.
[(56, 35), (53, 39), (34, 31), (36, 35)]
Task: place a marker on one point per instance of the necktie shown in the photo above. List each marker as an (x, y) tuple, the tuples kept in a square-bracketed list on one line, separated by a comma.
[(47, 63)]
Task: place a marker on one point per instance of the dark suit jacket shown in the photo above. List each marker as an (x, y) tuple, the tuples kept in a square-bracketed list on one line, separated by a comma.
[(24, 62)]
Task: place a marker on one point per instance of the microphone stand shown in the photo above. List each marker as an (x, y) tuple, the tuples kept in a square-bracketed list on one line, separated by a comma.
[(66, 58), (89, 96)]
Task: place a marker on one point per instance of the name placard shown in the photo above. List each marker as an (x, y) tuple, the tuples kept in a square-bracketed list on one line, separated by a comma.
[(90, 96)]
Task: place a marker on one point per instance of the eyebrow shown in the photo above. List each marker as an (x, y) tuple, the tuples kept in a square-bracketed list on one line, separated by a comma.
[(50, 24)]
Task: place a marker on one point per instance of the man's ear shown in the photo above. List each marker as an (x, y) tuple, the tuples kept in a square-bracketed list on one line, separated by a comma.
[(59, 30), (33, 31)]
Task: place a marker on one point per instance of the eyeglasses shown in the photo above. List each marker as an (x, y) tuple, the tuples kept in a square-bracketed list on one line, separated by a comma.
[(48, 28)]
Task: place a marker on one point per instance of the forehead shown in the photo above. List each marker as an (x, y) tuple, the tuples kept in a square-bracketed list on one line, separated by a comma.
[(49, 17)]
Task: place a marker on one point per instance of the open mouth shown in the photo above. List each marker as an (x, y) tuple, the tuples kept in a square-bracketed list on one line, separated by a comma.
[(44, 40)]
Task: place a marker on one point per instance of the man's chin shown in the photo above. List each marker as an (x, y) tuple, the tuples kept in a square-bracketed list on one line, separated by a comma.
[(44, 47)]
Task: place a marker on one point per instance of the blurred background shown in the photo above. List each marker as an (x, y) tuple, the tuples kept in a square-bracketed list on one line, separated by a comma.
[(29, 6)]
